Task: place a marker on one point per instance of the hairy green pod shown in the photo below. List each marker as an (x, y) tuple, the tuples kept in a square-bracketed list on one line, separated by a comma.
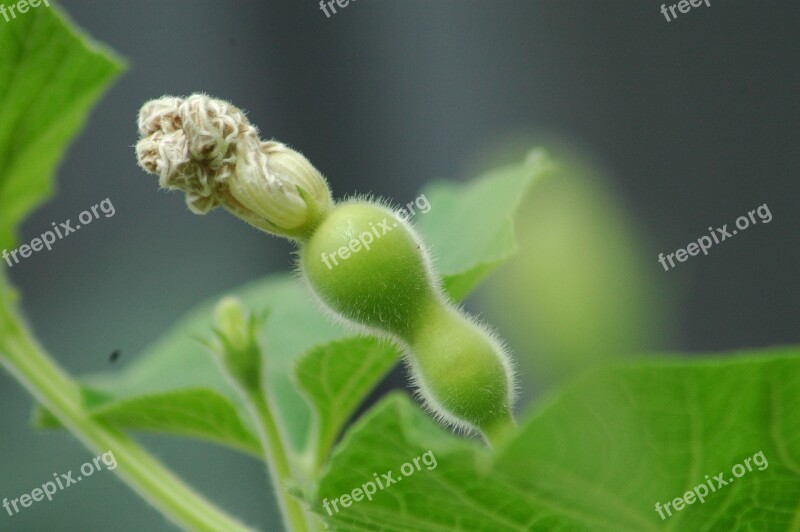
[(369, 267), (364, 261)]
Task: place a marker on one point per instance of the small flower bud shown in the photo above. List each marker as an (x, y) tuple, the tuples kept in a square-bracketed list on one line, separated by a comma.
[(236, 344), (208, 149)]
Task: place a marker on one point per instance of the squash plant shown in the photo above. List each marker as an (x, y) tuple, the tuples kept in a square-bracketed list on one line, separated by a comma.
[(278, 367)]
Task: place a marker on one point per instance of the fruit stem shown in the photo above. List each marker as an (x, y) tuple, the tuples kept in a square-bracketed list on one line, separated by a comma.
[(499, 432)]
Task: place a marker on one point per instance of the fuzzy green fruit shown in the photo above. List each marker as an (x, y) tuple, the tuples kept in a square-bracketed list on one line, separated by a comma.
[(369, 267), (366, 264)]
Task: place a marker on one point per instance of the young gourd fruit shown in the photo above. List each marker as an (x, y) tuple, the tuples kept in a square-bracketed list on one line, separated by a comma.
[(364, 261), (369, 267)]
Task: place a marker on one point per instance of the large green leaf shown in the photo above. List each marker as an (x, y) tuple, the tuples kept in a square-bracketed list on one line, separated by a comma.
[(296, 327), (599, 456), (50, 76)]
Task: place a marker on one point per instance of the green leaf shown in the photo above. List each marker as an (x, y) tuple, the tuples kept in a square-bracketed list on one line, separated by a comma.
[(50, 77), (597, 457), (200, 413), (453, 495), (469, 226), (179, 362), (297, 327), (336, 378)]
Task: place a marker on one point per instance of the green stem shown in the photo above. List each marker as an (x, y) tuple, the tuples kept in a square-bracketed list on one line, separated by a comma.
[(53, 388), (241, 359), (499, 432), (277, 459)]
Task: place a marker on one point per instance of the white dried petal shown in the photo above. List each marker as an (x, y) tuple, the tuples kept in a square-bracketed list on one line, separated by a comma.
[(207, 148)]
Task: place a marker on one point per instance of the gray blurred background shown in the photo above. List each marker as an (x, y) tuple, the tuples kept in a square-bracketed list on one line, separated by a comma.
[(695, 121)]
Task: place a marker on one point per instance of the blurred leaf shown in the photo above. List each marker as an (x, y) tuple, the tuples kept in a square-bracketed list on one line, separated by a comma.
[(597, 457), (50, 77), (580, 292), (178, 363)]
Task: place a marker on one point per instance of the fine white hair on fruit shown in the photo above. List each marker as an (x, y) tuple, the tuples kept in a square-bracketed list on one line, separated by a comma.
[(423, 390)]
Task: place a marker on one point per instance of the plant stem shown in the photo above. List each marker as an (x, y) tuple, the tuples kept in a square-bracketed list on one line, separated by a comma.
[(241, 359), (498, 433), (277, 458), (57, 392)]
